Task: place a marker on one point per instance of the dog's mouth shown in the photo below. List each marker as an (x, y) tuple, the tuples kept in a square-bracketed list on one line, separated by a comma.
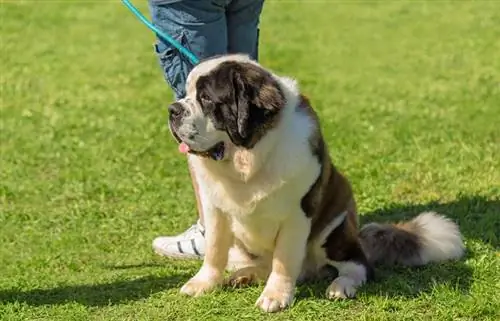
[(216, 152)]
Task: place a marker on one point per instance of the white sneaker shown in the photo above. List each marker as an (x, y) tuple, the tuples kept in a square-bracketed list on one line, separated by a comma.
[(187, 245)]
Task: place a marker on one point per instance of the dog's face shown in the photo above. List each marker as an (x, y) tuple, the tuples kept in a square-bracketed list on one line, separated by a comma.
[(229, 100)]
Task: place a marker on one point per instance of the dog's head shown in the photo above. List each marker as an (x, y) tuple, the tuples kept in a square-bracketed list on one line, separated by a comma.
[(229, 100)]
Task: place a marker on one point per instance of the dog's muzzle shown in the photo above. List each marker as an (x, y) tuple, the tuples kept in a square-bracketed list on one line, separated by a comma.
[(176, 112)]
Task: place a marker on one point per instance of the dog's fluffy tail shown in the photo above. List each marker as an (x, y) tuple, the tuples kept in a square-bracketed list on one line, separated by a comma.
[(427, 238)]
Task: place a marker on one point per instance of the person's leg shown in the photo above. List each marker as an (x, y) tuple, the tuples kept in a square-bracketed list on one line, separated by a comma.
[(199, 26), (243, 18)]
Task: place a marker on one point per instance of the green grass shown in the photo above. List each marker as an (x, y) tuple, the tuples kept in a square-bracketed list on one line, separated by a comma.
[(409, 96)]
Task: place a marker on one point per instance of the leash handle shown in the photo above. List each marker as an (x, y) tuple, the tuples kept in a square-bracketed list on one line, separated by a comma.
[(192, 57)]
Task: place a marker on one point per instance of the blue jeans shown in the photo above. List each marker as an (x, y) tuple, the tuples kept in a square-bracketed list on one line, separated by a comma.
[(206, 28)]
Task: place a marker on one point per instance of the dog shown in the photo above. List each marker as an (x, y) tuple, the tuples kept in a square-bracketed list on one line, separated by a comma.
[(272, 197)]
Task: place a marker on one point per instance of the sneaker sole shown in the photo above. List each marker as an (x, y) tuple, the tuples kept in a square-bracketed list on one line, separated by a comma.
[(179, 256)]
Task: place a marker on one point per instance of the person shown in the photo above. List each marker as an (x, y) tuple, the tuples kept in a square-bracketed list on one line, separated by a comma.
[(206, 28)]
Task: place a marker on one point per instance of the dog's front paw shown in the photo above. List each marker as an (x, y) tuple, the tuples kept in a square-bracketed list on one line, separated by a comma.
[(272, 300), (341, 288), (198, 286)]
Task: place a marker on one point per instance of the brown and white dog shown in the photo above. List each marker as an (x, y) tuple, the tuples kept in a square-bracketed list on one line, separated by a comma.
[(271, 195)]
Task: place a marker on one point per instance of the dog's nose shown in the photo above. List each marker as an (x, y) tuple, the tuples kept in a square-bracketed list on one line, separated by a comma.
[(175, 109)]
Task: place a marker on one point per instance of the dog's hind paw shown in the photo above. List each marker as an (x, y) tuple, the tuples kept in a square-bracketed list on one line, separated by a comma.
[(341, 288), (246, 276)]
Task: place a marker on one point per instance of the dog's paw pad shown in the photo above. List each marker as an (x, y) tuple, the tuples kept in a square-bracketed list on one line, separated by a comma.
[(341, 288)]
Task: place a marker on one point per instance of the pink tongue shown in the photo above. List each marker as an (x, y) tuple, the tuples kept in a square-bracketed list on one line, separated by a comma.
[(183, 148)]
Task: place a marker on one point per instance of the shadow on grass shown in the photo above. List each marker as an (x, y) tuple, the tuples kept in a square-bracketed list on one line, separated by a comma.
[(394, 282), (132, 266), (478, 219), (96, 294)]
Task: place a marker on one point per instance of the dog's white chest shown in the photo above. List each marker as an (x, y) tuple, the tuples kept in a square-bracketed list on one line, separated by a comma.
[(282, 169), (257, 212), (257, 232), (245, 199)]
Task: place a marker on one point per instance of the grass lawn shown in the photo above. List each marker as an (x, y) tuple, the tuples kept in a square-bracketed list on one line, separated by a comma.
[(409, 96)]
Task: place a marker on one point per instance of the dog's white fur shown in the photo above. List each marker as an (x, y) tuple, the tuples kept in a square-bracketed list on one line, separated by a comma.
[(253, 197), (440, 238)]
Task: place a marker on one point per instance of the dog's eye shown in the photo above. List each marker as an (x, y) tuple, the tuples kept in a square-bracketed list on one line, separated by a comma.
[(205, 98)]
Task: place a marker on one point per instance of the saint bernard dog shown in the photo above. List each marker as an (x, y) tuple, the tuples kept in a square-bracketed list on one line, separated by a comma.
[(275, 207)]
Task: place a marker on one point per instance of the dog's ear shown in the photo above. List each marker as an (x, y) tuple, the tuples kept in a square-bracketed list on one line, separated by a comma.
[(241, 105), (257, 99)]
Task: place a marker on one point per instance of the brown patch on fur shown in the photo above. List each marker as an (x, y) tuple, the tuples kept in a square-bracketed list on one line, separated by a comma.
[(336, 198), (310, 201), (330, 196), (343, 245), (269, 94), (391, 243), (331, 193), (352, 212)]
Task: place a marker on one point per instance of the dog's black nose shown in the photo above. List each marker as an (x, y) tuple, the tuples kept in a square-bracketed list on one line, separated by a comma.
[(175, 109)]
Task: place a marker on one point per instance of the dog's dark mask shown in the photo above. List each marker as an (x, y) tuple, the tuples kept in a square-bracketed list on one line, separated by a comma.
[(242, 99)]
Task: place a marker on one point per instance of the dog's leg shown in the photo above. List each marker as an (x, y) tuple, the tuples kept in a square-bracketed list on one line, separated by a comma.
[(353, 267), (351, 275), (344, 252), (218, 238), (287, 263)]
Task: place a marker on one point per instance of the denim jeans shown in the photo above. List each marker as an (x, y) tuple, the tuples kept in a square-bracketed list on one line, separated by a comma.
[(206, 28)]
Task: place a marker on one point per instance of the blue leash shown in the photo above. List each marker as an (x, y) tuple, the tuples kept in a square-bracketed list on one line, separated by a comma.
[(160, 33)]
